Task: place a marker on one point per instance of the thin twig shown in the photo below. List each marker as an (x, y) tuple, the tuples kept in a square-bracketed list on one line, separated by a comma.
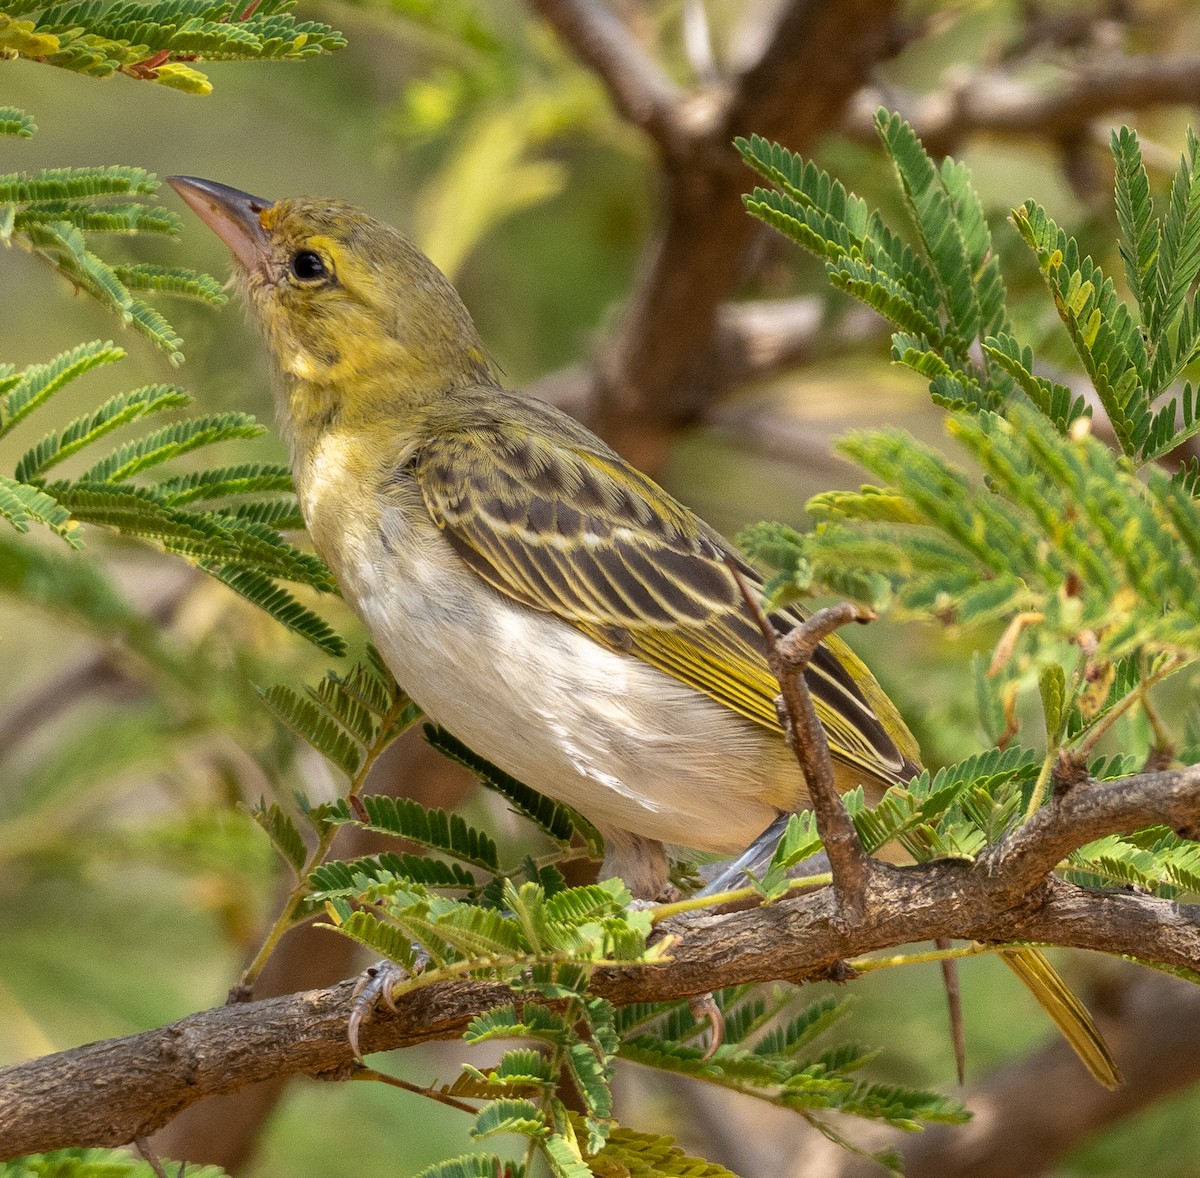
[(376, 1076), (789, 657), (146, 1150), (639, 88)]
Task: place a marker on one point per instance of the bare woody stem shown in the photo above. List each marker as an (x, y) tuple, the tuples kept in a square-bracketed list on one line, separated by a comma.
[(789, 657)]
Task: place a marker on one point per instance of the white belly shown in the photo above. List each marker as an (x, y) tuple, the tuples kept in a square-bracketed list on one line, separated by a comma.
[(628, 746)]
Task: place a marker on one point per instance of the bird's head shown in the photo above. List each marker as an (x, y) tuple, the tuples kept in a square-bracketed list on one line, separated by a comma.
[(358, 321)]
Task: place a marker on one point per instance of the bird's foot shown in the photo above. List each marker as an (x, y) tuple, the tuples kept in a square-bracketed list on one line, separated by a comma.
[(375, 985), (704, 1008)]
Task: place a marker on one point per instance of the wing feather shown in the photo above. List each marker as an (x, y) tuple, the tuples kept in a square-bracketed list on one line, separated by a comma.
[(556, 522)]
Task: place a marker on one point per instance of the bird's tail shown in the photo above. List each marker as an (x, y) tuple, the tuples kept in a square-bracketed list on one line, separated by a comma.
[(1055, 997)]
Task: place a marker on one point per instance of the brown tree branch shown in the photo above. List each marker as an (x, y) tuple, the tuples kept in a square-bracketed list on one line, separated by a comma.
[(658, 372), (639, 89), (992, 102), (110, 1093)]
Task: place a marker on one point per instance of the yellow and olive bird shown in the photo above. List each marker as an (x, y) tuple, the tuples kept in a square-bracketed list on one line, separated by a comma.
[(535, 594)]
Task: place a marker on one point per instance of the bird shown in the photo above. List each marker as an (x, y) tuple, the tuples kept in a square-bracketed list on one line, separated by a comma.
[(535, 594)]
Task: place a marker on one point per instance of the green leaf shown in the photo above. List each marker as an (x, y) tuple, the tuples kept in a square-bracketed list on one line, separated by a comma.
[(522, 1117), (474, 1165), (1105, 338), (1056, 401), (20, 504), (173, 280), (564, 1158), (16, 122), (39, 382), (351, 878), (502, 1022), (117, 411), (259, 589), (53, 184), (647, 1155), (944, 210), (315, 727), (1052, 684), (283, 833), (559, 821), (170, 442), (246, 479), (435, 829), (1179, 254), (1139, 230)]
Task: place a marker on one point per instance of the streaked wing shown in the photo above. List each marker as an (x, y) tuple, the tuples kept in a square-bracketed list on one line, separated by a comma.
[(572, 530)]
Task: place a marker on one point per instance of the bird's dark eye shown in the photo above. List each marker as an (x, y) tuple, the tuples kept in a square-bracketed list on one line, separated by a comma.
[(309, 266)]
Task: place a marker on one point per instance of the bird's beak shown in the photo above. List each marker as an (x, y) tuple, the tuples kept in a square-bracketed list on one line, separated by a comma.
[(234, 216)]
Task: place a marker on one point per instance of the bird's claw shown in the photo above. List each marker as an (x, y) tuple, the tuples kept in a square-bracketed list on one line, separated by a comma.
[(704, 1008), (376, 984)]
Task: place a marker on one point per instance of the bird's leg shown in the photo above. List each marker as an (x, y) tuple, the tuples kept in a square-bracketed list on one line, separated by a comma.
[(704, 1007), (375, 984), (640, 862)]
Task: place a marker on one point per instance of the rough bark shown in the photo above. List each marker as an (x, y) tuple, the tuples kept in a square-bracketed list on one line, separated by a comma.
[(109, 1093)]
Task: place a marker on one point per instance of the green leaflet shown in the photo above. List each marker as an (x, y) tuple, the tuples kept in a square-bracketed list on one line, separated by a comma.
[(145, 40), (474, 1166), (16, 122), (435, 829), (91, 1163), (559, 821)]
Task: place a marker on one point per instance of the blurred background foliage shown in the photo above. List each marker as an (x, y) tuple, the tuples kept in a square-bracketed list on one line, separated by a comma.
[(131, 890)]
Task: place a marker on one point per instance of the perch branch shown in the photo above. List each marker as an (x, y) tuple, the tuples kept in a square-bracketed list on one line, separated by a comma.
[(113, 1092)]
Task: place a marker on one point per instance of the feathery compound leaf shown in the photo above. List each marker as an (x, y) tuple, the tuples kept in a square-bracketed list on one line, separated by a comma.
[(629, 1154), (283, 833), (50, 212), (84, 431), (246, 479), (315, 727), (862, 256), (126, 218), (1179, 254), (1056, 401), (170, 442), (435, 829), (509, 1115), (39, 382), (173, 280), (1107, 341), (155, 41), (474, 1165), (944, 209), (20, 504), (1139, 229), (559, 821), (62, 245), (54, 184), (336, 878), (381, 937)]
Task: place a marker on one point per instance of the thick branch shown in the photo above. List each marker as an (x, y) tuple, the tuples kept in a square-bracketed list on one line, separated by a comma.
[(996, 103), (658, 372), (1089, 812), (108, 1093)]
